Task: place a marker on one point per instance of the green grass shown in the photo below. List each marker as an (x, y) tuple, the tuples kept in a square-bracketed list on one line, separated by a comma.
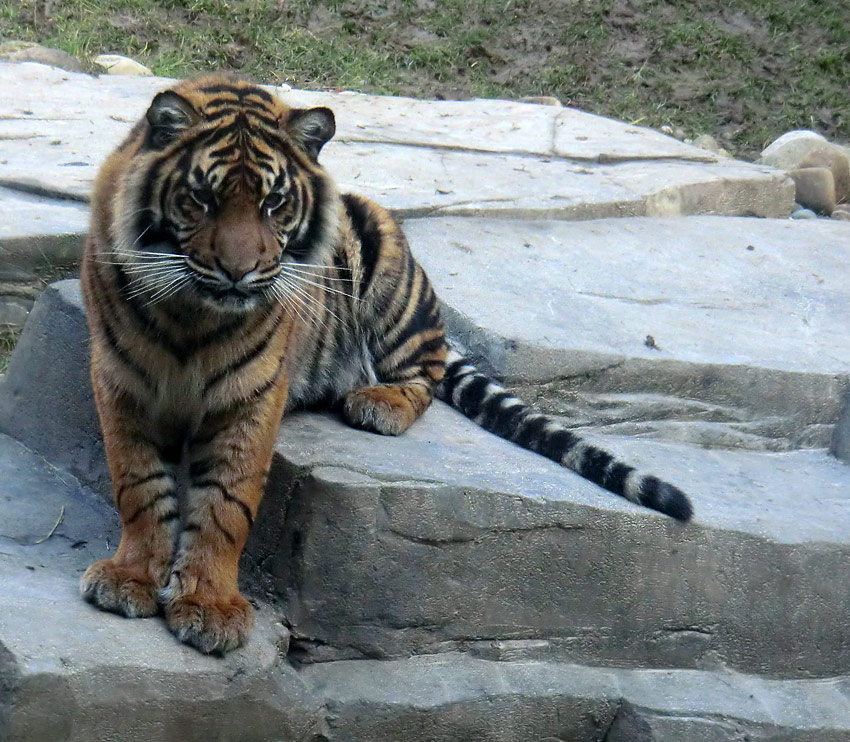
[(743, 70), (8, 338)]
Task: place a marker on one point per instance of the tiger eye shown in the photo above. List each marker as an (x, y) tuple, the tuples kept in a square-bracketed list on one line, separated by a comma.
[(275, 200)]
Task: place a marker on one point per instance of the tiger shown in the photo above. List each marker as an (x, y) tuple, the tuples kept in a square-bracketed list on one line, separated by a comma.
[(227, 281)]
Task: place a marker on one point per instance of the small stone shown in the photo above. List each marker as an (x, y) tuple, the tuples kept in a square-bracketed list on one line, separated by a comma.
[(842, 213), (668, 130), (115, 64), (815, 188), (803, 214), (541, 100), (14, 311), (724, 152), (25, 51), (706, 141), (838, 164), (679, 133)]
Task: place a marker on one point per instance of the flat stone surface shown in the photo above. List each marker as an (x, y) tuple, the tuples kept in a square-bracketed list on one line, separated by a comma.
[(692, 704), (40, 230), (447, 536), (79, 674), (750, 346), (415, 157)]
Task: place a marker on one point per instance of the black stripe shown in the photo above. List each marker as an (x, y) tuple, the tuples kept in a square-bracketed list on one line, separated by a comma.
[(367, 231), (138, 483), (423, 319), (200, 467), (168, 517), (452, 379), (168, 494), (554, 445), (506, 423), (316, 233), (615, 477), (124, 355), (227, 534), (429, 346), (593, 464), (530, 431), (243, 360), (215, 484), (472, 395)]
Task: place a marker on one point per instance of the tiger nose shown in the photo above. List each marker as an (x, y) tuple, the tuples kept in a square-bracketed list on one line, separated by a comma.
[(235, 269)]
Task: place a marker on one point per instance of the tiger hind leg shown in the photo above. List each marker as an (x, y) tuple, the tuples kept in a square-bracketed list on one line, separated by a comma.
[(388, 409)]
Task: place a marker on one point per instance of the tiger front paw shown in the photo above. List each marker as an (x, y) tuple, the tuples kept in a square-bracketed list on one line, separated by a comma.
[(123, 589), (214, 626)]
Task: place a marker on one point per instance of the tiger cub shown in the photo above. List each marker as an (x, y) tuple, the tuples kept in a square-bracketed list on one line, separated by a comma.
[(226, 281)]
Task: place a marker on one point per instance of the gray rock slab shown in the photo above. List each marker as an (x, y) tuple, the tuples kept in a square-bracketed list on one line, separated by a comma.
[(448, 537), (39, 230), (70, 673), (458, 697), (749, 344), (415, 157)]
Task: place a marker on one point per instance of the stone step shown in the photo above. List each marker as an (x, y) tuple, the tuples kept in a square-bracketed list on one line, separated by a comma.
[(750, 347), (78, 674), (448, 538), (414, 157)]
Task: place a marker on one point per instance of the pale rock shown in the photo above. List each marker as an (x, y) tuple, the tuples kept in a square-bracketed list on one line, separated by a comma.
[(541, 100), (706, 141), (815, 188), (803, 149), (838, 164), (115, 64), (25, 51), (842, 213)]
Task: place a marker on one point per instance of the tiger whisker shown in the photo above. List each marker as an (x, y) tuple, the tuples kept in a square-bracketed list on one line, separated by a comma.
[(322, 287)]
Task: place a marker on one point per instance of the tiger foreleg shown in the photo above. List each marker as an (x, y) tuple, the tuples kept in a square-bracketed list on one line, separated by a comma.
[(229, 459), (146, 497)]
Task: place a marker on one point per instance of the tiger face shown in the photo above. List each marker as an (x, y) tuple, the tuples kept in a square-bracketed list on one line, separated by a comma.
[(226, 199)]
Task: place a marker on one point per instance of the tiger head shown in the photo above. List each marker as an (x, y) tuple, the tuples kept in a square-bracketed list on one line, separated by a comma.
[(224, 196)]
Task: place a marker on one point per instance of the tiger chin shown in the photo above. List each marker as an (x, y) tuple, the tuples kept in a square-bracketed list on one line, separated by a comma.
[(226, 281)]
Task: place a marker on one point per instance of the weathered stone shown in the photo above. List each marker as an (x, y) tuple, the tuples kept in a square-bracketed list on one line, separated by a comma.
[(48, 380), (115, 64), (24, 51), (842, 214), (802, 213), (541, 100), (708, 142), (40, 231), (576, 341), (14, 310), (416, 157), (814, 188), (788, 151), (837, 163), (79, 674)]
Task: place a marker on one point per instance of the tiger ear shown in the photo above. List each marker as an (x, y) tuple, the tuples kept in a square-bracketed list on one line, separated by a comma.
[(168, 115), (311, 128)]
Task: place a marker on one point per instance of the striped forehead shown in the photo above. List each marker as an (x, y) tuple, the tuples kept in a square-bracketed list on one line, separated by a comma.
[(242, 140)]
